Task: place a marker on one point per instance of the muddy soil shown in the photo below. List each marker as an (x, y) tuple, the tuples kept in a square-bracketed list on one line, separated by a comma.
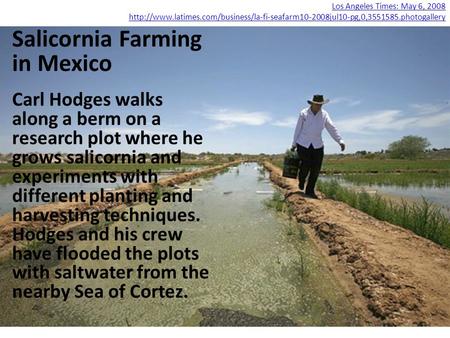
[(392, 275)]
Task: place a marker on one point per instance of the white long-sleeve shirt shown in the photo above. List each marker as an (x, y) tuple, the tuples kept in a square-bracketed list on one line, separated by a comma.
[(309, 129)]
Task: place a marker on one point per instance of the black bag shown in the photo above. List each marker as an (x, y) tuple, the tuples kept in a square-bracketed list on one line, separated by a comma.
[(290, 164)]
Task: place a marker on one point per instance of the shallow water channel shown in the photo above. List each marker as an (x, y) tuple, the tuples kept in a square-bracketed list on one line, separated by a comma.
[(260, 264)]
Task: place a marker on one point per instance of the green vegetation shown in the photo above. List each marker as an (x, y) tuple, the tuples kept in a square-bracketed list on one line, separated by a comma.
[(410, 147), (290, 211), (353, 164), (34, 245), (383, 166), (425, 219), (261, 174), (406, 179), (276, 202), (303, 271), (433, 161), (160, 190), (6, 179)]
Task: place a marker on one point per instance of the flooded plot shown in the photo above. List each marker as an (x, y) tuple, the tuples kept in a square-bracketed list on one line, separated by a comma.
[(433, 187), (263, 270)]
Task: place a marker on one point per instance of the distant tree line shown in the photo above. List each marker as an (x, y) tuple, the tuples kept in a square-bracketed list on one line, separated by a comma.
[(409, 147)]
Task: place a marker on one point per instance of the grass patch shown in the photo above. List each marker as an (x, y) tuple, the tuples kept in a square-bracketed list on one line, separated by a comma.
[(159, 190), (424, 218), (362, 165), (302, 268), (34, 245), (406, 179), (6, 179), (383, 165), (276, 201), (290, 211)]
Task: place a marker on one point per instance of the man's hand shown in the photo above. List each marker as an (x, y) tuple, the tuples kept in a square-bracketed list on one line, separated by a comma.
[(342, 146)]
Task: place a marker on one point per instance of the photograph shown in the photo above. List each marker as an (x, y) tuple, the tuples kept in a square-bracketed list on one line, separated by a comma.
[(225, 176)]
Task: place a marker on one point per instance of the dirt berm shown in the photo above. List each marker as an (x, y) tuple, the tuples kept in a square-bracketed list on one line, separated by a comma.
[(7, 223), (391, 275)]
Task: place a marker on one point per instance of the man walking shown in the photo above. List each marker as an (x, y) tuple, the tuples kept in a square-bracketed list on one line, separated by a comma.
[(308, 140)]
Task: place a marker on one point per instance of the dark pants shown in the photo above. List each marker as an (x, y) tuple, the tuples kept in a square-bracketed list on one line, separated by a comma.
[(310, 163)]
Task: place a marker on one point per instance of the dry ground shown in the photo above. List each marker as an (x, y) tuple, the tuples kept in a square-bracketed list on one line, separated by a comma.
[(392, 275)]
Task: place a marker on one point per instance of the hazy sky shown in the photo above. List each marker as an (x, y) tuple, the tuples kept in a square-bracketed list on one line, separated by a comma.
[(244, 89)]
